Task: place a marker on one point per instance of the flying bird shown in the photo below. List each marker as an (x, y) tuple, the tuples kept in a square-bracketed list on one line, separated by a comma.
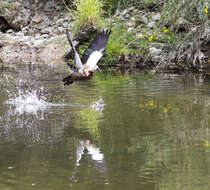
[(88, 63)]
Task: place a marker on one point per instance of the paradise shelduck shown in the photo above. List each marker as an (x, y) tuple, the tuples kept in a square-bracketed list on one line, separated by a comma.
[(88, 63)]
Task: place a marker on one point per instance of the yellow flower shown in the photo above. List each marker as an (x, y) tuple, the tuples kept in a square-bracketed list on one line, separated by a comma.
[(206, 10), (165, 110), (169, 37), (206, 143), (150, 38), (165, 30), (151, 103)]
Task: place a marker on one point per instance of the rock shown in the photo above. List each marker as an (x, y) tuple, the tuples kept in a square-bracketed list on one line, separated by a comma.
[(125, 11), (156, 16), (130, 29), (61, 29), (151, 24), (181, 20), (154, 51), (46, 30), (26, 17), (59, 22), (27, 5), (6, 24), (65, 24), (127, 16), (130, 24), (144, 19), (45, 35), (133, 18), (37, 36), (19, 34), (117, 12), (84, 33), (10, 31), (37, 18), (131, 9)]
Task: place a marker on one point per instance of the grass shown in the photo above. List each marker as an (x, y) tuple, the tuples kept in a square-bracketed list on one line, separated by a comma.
[(88, 12), (185, 15), (187, 22)]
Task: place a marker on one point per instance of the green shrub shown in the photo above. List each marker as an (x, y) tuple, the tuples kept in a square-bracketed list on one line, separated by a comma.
[(117, 43)]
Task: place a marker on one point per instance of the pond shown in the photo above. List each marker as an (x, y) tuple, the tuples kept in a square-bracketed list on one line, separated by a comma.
[(113, 132)]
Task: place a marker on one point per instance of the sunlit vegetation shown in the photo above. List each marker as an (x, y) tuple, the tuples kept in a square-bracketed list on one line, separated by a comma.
[(174, 31), (117, 43), (88, 12)]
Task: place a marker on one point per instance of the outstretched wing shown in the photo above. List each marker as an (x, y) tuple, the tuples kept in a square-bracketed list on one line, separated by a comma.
[(77, 60), (95, 49)]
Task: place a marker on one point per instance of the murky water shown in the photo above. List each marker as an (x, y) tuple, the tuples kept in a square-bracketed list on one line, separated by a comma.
[(112, 132)]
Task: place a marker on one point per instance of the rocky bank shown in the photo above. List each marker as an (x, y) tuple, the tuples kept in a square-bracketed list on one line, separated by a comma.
[(34, 31)]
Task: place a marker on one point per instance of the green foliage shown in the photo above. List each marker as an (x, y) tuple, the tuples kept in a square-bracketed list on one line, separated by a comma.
[(5, 5), (113, 4), (185, 14), (88, 12), (117, 43)]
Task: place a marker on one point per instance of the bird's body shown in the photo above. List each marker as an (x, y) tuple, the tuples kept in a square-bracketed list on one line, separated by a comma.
[(88, 63)]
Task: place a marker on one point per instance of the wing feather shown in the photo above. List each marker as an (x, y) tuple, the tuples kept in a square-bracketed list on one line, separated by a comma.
[(96, 46), (77, 59), (93, 60)]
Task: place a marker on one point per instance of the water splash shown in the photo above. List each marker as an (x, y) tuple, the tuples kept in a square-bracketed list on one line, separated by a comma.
[(30, 101), (98, 105)]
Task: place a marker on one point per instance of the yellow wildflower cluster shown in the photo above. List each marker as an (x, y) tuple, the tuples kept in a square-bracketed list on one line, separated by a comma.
[(149, 104), (149, 37), (206, 143), (206, 10), (166, 108), (165, 29)]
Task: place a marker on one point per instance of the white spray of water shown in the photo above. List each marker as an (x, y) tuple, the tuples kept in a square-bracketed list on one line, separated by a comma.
[(98, 105), (30, 101)]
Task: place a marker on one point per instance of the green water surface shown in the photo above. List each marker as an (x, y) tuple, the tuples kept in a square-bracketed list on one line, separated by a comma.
[(114, 132)]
